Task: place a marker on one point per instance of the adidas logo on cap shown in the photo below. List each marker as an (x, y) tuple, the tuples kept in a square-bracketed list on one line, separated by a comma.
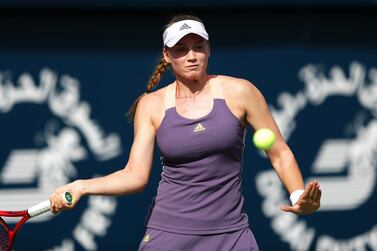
[(185, 27)]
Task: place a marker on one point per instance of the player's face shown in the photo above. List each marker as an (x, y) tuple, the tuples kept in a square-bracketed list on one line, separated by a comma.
[(189, 57)]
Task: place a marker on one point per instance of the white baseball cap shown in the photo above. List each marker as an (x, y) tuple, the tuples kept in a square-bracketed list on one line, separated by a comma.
[(178, 30)]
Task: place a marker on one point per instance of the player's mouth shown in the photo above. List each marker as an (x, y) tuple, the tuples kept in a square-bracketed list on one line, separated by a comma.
[(192, 67)]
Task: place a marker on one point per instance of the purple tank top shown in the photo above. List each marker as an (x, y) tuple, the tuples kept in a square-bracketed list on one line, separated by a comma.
[(200, 190)]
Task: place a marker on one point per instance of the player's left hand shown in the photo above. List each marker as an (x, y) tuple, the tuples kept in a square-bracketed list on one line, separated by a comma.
[(309, 201)]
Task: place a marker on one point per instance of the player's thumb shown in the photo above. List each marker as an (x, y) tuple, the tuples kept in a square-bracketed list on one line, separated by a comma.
[(286, 208)]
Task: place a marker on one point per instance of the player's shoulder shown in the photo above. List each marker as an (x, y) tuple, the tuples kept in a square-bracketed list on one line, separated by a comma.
[(152, 105), (235, 86), (152, 100)]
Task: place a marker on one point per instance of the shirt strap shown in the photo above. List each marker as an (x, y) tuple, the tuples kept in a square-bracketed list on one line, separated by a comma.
[(170, 96), (216, 89)]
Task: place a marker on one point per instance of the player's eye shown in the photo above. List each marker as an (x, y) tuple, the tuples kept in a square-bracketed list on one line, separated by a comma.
[(180, 49), (199, 47)]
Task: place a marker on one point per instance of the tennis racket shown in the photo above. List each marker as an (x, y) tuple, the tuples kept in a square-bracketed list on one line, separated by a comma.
[(8, 235)]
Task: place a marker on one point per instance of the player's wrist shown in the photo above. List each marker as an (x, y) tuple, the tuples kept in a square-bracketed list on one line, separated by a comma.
[(80, 187), (295, 196)]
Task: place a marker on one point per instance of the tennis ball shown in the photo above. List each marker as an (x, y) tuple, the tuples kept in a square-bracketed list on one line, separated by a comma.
[(264, 138)]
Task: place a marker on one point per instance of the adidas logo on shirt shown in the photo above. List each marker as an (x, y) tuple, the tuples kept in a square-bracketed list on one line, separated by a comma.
[(184, 27), (199, 127)]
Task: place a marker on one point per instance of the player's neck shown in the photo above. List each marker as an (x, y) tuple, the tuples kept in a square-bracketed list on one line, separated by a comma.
[(192, 88)]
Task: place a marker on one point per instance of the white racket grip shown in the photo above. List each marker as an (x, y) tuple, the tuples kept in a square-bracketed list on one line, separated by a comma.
[(39, 209)]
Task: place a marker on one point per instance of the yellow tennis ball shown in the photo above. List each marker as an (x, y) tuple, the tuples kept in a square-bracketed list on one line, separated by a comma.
[(264, 138)]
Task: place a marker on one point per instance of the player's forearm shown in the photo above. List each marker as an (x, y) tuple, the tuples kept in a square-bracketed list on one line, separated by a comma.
[(288, 171), (122, 182)]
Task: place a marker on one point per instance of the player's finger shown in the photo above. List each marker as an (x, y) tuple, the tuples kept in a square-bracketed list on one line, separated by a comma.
[(317, 198), (57, 204), (62, 203), (52, 202), (316, 191), (287, 208), (54, 207), (306, 193), (311, 190)]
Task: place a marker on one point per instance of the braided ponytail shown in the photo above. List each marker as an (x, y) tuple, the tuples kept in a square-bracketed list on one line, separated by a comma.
[(158, 72), (154, 80)]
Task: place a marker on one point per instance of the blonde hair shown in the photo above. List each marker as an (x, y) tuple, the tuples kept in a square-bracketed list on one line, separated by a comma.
[(159, 69)]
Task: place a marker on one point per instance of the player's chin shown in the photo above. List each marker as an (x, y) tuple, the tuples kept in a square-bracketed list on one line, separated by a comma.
[(194, 75)]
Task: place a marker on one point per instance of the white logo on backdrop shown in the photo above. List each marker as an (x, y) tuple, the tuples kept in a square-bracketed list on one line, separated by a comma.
[(357, 157), (54, 165)]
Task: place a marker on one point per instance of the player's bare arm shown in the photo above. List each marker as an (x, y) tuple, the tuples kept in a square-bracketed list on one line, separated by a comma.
[(134, 176), (256, 114)]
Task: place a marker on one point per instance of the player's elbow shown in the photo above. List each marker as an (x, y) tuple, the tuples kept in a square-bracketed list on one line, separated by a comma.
[(281, 154), (138, 180), (141, 185)]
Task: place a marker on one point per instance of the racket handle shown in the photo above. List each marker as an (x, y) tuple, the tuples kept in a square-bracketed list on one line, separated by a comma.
[(39, 209), (68, 198), (45, 206)]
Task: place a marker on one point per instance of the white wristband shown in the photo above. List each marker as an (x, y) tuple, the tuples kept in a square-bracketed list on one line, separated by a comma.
[(295, 196)]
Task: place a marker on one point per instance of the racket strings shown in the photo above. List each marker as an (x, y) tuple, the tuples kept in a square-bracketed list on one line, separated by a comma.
[(4, 238)]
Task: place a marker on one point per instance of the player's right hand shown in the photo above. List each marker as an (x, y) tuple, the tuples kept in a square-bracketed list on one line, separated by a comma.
[(59, 203)]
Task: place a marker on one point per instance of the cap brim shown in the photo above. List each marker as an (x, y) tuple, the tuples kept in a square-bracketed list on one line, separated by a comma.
[(176, 39)]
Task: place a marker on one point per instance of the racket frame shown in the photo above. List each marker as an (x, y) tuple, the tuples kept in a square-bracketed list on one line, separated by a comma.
[(31, 212)]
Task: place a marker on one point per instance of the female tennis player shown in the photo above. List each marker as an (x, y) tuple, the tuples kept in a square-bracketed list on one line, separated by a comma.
[(198, 123)]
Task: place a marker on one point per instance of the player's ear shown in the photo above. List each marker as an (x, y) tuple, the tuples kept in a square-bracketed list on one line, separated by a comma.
[(209, 49), (165, 54)]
